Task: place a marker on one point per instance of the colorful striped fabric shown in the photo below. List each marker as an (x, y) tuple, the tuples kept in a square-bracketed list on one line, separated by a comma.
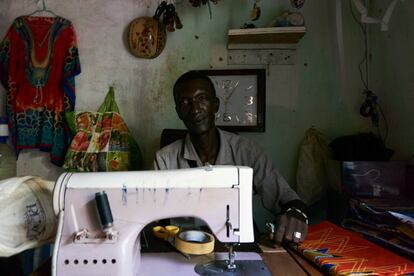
[(340, 252)]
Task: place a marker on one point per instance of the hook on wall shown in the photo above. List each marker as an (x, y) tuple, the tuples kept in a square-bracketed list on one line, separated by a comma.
[(43, 9), (371, 20), (113, 84), (42, 4)]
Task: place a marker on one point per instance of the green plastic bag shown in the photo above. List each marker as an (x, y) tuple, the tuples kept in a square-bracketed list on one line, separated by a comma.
[(102, 141)]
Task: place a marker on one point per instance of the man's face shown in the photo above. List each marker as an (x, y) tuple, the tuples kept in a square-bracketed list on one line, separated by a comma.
[(196, 106)]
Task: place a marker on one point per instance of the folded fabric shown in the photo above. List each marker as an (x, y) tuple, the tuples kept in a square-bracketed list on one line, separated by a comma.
[(404, 206), (388, 237), (338, 251), (388, 228)]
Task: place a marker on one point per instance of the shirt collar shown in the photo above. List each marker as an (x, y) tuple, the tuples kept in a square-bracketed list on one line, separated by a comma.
[(189, 152), (223, 156)]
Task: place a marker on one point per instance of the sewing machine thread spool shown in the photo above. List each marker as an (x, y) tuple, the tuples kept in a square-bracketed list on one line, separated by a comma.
[(104, 210)]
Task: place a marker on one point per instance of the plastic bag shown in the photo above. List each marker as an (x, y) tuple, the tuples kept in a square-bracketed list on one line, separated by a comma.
[(102, 141), (360, 147), (312, 175), (27, 219)]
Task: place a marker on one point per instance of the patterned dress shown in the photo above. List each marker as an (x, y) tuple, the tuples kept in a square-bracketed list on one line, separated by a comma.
[(38, 64)]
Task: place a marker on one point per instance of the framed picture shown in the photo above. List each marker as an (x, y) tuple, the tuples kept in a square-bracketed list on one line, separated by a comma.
[(242, 99)]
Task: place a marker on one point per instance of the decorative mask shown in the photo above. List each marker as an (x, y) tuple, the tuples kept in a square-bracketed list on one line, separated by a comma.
[(147, 37), (297, 3)]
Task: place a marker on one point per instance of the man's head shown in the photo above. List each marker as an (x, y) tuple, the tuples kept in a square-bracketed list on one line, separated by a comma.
[(196, 102)]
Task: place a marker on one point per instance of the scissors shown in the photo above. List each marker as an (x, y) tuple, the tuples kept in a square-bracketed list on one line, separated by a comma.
[(168, 233)]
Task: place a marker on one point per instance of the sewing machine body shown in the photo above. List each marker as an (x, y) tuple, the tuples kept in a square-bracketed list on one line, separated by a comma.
[(221, 196)]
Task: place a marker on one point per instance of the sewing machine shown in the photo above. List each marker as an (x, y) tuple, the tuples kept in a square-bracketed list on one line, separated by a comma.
[(101, 215)]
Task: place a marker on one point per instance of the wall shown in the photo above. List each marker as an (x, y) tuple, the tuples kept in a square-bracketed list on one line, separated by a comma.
[(313, 92), (392, 75)]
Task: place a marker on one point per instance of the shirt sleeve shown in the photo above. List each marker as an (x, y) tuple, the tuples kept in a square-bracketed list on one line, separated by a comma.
[(272, 188), (159, 162), (168, 158), (71, 68), (5, 59)]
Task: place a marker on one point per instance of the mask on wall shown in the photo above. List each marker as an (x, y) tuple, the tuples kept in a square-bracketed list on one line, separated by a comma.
[(297, 3), (147, 37)]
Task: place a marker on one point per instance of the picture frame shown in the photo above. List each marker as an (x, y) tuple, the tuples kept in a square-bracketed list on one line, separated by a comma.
[(242, 95)]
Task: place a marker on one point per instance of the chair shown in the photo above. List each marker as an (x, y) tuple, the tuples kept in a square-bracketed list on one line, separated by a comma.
[(169, 135)]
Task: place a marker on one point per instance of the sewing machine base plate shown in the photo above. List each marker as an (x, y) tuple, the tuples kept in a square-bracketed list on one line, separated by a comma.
[(247, 267), (173, 263)]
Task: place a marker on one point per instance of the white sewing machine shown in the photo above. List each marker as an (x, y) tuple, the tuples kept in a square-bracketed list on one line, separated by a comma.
[(90, 242)]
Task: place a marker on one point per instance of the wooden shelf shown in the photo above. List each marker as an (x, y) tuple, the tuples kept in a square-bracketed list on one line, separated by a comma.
[(275, 35)]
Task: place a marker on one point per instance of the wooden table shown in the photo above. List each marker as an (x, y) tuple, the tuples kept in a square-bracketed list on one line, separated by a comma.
[(284, 261), (281, 263)]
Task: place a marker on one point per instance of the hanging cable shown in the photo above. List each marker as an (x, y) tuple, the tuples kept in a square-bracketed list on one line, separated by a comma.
[(365, 57), (370, 106)]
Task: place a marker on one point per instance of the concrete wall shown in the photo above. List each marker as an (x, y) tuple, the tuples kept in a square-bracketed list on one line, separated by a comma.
[(392, 75), (310, 93)]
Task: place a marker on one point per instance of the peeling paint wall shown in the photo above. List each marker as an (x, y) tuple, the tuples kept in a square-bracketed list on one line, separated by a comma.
[(298, 97), (392, 75)]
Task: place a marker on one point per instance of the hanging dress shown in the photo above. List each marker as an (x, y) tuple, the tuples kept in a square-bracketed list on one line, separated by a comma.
[(38, 64)]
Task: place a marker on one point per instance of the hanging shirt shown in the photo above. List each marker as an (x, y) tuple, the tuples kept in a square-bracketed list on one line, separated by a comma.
[(234, 150), (38, 62)]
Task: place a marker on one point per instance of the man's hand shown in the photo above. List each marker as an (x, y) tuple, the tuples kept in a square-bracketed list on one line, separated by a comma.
[(293, 227)]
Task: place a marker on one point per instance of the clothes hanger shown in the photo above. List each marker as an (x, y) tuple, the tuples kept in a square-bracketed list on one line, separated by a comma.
[(44, 9)]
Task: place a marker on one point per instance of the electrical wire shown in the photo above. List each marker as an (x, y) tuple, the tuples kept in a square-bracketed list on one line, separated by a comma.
[(370, 102), (365, 57), (385, 123)]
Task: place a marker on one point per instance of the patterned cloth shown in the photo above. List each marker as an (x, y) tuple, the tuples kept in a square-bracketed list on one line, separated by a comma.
[(38, 62), (101, 143), (340, 252)]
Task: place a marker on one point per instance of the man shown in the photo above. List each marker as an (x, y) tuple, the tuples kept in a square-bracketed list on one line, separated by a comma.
[(196, 105)]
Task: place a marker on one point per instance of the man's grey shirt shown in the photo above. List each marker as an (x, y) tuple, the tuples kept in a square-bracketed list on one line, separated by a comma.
[(234, 150)]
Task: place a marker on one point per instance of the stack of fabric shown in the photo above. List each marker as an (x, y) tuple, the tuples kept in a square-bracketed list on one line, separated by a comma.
[(389, 225)]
